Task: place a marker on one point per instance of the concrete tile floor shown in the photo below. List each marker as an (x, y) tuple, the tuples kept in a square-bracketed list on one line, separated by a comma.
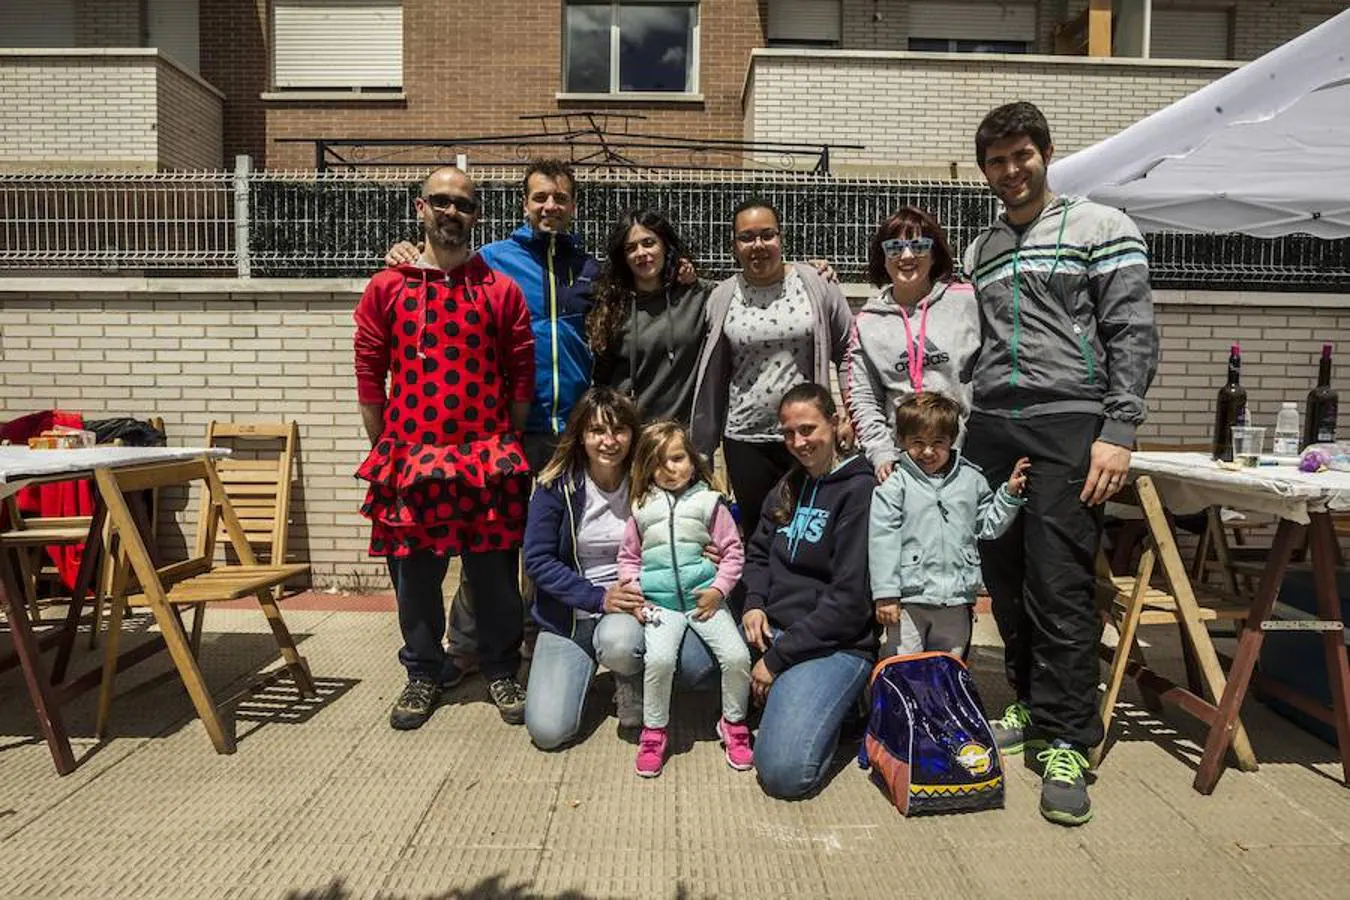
[(323, 801)]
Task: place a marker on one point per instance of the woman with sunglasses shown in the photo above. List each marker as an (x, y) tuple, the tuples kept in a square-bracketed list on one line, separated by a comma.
[(920, 333), (646, 323), (771, 327)]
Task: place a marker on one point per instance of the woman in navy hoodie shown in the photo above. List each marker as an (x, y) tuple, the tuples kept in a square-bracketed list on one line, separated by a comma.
[(808, 602), (586, 615)]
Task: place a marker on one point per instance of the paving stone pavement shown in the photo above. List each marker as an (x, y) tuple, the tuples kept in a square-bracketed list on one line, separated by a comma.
[(323, 801)]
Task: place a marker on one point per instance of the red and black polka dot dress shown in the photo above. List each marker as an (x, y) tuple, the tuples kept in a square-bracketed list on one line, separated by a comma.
[(448, 473)]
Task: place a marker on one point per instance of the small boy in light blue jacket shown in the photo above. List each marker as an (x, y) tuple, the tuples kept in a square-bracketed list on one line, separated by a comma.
[(926, 519)]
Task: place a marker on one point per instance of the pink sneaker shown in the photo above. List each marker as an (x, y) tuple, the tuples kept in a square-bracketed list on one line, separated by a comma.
[(736, 738), (651, 752)]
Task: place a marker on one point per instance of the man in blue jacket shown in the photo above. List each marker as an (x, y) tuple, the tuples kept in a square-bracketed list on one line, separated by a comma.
[(556, 274)]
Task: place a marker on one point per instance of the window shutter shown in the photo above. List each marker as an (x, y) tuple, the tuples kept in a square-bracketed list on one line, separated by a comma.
[(804, 21), (337, 43), (1191, 34), (973, 21)]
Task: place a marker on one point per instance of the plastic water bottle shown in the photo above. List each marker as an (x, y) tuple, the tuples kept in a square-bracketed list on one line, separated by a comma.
[(1286, 430)]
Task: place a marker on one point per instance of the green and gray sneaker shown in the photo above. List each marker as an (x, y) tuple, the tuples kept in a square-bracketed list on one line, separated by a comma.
[(413, 707), (1064, 794), (1010, 731)]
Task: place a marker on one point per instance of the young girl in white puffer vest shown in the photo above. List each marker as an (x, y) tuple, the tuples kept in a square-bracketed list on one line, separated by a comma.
[(676, 515)]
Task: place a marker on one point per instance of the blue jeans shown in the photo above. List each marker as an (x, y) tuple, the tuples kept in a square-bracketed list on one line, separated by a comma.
[(562, 669), (799, 729)]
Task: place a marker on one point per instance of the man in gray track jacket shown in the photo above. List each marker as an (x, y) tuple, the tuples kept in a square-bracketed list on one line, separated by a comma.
[(1068, 350)]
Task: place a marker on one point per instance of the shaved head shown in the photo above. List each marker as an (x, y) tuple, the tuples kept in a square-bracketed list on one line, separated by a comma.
[(446, 176)]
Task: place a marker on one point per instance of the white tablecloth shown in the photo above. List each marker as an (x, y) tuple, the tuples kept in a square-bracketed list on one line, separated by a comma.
[(19, 465), (1191, 482)]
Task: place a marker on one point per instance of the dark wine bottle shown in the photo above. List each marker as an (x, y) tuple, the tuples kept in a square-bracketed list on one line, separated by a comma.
[(1231, 407), (1320, 425)]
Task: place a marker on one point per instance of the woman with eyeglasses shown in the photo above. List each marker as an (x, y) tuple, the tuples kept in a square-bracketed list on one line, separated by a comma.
[(771, 327), (921, 332), (646, 323)]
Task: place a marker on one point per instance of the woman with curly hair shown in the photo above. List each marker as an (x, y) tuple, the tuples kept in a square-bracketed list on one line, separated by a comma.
[(645, 325)]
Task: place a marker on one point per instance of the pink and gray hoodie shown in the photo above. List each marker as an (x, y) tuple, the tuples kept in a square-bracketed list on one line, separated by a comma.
[(877, 368)]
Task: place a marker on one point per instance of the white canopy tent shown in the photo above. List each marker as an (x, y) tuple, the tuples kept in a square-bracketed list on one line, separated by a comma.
[(1264, 151)]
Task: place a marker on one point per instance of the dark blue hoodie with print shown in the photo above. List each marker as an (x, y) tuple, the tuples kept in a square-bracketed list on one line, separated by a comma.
[(809, 575)]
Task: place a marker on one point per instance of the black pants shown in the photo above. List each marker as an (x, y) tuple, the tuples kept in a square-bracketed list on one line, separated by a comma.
[(463, 632), (1040, 574), (494, 593), (753, 470)]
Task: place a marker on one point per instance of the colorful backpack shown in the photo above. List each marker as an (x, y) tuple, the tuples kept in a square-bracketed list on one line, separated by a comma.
[(927, 737)]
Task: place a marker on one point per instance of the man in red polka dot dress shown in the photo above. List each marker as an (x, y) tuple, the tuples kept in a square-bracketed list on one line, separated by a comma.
[(450, 339)]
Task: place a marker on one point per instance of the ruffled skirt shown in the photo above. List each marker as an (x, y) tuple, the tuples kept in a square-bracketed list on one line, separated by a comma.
[(449, 499)]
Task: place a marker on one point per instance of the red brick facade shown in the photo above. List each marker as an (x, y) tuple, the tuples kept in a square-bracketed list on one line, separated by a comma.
[(468, 69)]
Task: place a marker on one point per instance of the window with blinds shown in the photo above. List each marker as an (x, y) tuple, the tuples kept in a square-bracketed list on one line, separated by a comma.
[(972, 27), (804, 23), (337, 44), (1180, 33)]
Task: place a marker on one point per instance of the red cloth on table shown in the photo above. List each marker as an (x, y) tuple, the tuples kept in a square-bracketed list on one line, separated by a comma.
[(60, 498)]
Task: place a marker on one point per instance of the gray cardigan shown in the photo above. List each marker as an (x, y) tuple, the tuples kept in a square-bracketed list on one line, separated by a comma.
[(712, 385)]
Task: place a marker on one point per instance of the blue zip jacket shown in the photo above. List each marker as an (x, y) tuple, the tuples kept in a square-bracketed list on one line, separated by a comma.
[(556, 274), (923, 532), (551, 555)]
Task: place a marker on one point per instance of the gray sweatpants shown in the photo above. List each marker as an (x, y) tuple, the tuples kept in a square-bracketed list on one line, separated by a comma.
[(922, 627)]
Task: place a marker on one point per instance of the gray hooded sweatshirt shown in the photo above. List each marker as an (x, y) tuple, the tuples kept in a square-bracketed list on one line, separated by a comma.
[(1067, 317), (876, 371)]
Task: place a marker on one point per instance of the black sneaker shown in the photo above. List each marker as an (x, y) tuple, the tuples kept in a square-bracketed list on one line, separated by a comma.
[(413, 707), (1064, 794), (509, 696)]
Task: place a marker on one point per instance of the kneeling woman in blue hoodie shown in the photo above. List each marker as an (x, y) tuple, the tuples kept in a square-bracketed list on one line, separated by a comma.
[(808, 601)]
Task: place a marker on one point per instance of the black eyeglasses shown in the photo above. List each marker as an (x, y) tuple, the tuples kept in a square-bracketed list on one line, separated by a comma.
[(767, 235), (466, 205)]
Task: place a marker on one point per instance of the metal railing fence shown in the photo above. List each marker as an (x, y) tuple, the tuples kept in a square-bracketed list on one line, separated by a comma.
[(293, 225)]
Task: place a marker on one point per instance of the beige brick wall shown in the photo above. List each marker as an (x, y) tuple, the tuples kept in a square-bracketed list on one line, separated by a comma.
[(189, 116), (66, 111), (193, 351), (851, 97), (105, 110)]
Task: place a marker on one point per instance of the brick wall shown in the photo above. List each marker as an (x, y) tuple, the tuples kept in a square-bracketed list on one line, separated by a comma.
[(472, 72), (108, 23), (71, 111), (189, 117), (850, 97), (102, 110), (234, 59), (193, 351)]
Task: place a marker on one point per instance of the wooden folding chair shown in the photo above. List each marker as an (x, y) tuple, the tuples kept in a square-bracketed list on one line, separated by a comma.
[(259, 487), (165, 589), (1131, 601), (28, 537)]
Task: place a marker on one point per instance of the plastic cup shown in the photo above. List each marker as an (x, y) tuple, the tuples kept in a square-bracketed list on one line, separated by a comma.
[(1248, 443)]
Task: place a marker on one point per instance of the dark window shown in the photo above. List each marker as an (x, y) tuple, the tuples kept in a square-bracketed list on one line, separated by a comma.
[(630, 47), (940, 45)]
